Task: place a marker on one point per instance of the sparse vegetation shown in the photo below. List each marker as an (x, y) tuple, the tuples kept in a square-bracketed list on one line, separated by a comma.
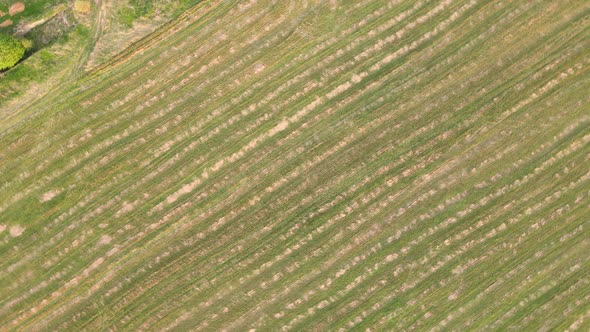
[(301, 166), (53, 29)]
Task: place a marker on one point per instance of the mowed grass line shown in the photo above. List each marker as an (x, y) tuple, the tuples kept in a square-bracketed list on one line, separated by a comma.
[(198, 252)]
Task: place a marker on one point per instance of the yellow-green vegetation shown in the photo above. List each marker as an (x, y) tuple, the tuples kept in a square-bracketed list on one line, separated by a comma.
[(11, 51), (308, 166), (27, 44)]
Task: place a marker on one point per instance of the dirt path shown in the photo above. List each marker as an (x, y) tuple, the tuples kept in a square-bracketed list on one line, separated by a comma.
[(101, 19), (22, 29)]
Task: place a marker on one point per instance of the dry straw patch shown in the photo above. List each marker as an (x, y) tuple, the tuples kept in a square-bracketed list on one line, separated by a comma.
[(82, 6), (17, 7), (105, 239), (49, 195)]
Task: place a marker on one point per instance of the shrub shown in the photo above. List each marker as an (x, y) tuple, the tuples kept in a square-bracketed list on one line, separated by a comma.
[(11, 51), (27, 44)]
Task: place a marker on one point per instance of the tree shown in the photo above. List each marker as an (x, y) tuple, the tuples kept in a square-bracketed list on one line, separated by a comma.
[(11, 51)]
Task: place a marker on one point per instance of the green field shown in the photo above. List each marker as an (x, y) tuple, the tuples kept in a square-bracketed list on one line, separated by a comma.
[(310, 165)]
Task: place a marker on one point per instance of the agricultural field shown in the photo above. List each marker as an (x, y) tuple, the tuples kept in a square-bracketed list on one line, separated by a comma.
[(300, 165)]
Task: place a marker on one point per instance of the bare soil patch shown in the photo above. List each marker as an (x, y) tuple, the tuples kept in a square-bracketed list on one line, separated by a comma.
[(17, 7), (6, 23), (16, 230)]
